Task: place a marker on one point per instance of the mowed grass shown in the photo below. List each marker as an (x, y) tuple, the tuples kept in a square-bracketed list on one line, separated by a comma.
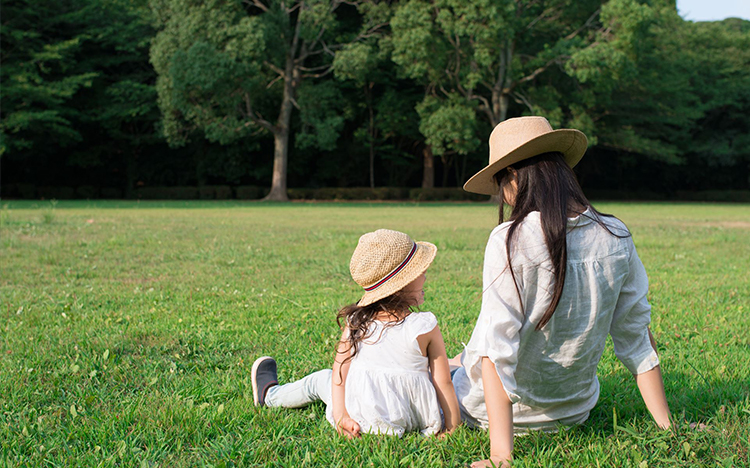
[(129, 329)]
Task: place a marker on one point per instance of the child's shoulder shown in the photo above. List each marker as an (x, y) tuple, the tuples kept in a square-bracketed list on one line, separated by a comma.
[(420, 323)]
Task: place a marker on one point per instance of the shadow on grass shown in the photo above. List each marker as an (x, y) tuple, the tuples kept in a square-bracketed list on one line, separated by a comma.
[(690, 397)]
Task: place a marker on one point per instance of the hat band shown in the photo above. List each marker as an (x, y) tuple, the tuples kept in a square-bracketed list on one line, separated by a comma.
[(395, 271)]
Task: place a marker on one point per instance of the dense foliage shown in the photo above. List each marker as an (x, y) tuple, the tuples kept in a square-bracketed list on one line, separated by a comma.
[(112, 95)]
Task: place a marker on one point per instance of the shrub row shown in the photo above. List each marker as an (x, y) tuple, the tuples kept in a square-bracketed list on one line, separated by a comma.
[(384, 193), (733, 196), (250, 192), (205, 192), (32, 192)]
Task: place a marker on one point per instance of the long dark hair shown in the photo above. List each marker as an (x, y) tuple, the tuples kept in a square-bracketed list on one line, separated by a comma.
[(545, 183), (358, 320)]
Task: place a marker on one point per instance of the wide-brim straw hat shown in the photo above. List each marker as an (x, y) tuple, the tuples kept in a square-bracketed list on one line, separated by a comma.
[(514, 140), (386, 261)]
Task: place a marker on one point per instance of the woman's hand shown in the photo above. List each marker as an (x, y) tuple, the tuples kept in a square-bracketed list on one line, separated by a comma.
[(348, 427), (494, 462)]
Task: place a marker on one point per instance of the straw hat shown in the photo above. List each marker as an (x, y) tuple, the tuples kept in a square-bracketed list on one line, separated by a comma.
[(521, 138), (385, 261)]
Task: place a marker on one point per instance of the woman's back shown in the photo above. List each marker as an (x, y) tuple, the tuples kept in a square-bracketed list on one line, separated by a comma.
[(551, 373)]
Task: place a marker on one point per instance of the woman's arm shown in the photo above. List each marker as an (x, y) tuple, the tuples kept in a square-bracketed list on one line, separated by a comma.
[(500, 416), (651, 386), (441, 376), (345, 425)]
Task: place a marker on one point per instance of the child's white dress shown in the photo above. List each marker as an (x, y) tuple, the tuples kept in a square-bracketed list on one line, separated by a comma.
[(388, 388)]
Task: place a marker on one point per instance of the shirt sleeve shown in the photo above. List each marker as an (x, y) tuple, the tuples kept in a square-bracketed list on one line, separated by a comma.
[(630, 320), (496, 334)]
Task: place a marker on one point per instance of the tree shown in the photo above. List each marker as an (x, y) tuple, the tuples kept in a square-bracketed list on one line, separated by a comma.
[(389, 122), (78, 90), (40, 75), (476, 59), (225, 65), (638, 80), (721, 80)]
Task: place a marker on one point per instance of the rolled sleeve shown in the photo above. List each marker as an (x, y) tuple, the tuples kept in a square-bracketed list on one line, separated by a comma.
[(631, 318)]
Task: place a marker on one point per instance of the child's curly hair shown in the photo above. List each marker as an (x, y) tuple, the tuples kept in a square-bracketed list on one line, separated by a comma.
[(357, 320)]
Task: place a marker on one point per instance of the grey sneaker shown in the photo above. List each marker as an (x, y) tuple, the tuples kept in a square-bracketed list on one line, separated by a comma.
[(263, 377)]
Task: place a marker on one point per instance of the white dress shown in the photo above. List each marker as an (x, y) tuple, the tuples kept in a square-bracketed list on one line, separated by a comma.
[(388, 388)]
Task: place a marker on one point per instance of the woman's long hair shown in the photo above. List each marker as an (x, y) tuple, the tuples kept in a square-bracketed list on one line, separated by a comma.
[(545, 183), (357, 320)]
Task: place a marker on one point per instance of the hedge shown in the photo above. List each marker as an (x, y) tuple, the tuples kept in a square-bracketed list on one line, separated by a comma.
[(251, 192), (167, 193)]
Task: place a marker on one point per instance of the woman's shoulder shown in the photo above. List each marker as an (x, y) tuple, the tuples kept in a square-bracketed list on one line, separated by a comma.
[(611, 222), (527, 236), (531, 221)]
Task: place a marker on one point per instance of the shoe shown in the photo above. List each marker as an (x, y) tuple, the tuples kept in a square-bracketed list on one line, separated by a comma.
[(263, 377)]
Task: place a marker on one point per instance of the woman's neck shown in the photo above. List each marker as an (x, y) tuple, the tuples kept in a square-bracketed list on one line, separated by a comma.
[(576, 209)]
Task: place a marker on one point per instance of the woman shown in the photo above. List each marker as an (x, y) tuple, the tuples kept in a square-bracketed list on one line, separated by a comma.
[(558, 278)]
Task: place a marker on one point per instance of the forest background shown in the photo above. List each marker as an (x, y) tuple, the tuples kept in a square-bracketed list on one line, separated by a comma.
[(108, 98)]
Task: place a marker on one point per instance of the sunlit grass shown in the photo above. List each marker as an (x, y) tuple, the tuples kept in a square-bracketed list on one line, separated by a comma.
[(128, 331)]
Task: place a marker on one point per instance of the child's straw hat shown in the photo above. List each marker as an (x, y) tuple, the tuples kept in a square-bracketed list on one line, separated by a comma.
[(521, 138), (385, 261)]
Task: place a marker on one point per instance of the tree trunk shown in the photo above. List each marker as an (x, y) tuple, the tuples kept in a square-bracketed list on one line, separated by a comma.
[(280, 152), (428, 176), (504, 101), (281, 134), (371, 131), (503, 85)]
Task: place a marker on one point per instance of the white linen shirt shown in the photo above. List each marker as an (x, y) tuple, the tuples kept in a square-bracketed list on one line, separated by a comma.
[(550, 375)]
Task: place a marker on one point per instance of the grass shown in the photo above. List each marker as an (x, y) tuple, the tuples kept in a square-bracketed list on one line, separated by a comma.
[(128, 331)]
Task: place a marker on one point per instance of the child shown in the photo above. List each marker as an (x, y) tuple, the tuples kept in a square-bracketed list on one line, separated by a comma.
[(558, 278), (390, 374)]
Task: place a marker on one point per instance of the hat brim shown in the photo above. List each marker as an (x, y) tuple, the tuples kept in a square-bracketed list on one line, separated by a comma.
[(571, 143), (422, 259)]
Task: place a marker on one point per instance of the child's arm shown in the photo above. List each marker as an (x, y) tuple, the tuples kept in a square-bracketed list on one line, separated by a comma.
[(651, 386), (500, 416), (345, 425), (440, 373)]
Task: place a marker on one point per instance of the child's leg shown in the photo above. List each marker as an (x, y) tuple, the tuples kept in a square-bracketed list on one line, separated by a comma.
[(314, 387)]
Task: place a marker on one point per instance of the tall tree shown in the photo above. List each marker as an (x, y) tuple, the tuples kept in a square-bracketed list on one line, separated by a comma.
[(720, 77), (78, 90), (40, 74), (389, 122), (225, 65), (484, 61), (482, 56), (638, 80)]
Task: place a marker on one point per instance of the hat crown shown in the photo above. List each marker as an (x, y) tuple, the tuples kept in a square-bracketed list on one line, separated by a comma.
[(513, 133), (378, 254)]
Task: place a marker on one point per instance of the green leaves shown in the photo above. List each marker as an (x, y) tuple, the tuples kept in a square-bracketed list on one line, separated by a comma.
[(448, 125), (40, 75)]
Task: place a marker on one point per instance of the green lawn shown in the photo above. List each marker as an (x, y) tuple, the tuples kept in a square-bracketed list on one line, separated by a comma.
[(128, 332)]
